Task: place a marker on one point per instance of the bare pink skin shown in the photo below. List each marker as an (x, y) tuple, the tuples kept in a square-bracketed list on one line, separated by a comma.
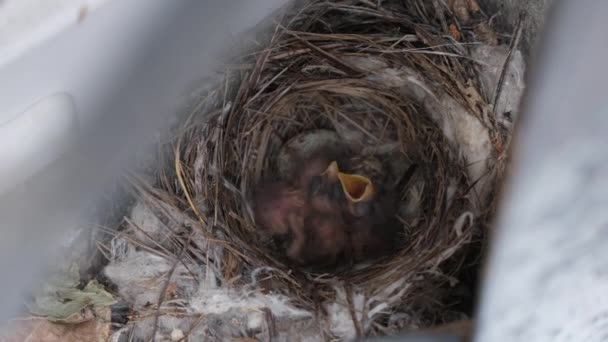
[(313, 221), (277, 206), (326, 241), (317, 230)]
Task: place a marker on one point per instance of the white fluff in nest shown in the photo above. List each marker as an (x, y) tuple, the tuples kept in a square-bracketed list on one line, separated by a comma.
[(149, 229), (366, 308), (228, 302), (467, 135), (341, 320), (492, 59), (149, 226), (219, 301), (169, 327), (140, 276)]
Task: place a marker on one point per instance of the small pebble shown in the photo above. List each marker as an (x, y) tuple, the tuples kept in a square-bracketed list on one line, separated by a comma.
[(255, 321), (177, 335)]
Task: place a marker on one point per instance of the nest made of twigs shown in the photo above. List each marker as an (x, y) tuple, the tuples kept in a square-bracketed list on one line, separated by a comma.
[(305, 76)]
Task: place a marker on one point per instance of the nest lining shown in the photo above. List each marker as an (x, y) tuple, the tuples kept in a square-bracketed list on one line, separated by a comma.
[(366, 74)]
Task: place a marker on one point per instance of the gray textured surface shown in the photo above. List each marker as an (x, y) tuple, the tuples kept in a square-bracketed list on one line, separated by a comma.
[(535, 11), (546, 279)]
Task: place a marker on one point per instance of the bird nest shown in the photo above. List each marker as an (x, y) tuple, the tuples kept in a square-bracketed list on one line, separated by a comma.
[(395, 82)]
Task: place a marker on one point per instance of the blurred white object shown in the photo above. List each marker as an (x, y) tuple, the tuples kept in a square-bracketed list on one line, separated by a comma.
[(79, 49), (26, 23), (36, 137), (84, 49), (547, 279), (85, 85)]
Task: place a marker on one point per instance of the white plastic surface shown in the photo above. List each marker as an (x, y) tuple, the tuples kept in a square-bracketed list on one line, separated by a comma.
[(36, 137), (83, 48), (25, 23), (127, 66), (86, 48)]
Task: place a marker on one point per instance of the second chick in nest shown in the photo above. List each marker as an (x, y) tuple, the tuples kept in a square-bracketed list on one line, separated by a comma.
[(305, 217), (370, 212)]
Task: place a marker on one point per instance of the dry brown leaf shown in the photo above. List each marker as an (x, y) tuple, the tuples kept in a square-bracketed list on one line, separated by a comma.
[(486, 34), (474, 6), (474, 99), (461, 10), (171, 291), (453, 30), (499, 146), (39, 329), (462, 329), (472, 95)]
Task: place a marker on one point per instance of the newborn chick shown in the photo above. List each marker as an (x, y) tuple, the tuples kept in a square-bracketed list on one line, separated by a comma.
[(371, 210), (305, 213), (325, 242), (280, 210), (374, 228), (372, 236), (277, 206), (324, 230), (327, 239), (275, 203)]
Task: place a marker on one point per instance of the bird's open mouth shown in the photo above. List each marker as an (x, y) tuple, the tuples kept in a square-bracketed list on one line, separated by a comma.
[(356, 187)]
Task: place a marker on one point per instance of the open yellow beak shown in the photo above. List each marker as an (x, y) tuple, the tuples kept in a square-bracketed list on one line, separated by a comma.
[(356, 188)]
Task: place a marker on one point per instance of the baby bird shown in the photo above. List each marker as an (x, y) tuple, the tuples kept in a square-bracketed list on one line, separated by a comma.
[(304, 213), (371, 208), (325, 241), (277, 206), (372, 235)]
